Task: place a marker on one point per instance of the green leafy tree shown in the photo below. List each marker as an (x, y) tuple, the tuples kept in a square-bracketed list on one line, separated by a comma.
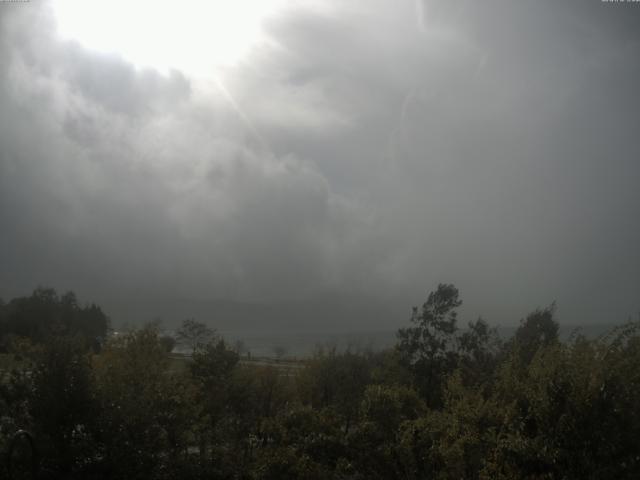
[(479, 349), (428, 349), (337, 381), (61, 402), (168, 342), (300, 443), (145, 411), (375, 440), (46, 313), (255, 394), (194, 334), (539, 329), (571, 412), (212, 368)]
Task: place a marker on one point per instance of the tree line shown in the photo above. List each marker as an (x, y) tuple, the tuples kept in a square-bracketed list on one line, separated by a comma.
[(444, 403)]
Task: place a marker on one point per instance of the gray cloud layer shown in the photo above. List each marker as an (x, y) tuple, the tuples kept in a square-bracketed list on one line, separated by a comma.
[(376, 149)]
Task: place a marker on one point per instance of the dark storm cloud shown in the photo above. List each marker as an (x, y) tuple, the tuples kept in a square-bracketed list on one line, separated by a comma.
[(121, 181), (376, 149)]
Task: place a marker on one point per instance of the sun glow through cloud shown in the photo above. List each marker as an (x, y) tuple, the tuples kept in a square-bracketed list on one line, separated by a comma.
[(194, 36)]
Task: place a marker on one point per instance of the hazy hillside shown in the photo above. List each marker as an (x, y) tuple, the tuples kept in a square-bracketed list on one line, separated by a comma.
[(334, 314)]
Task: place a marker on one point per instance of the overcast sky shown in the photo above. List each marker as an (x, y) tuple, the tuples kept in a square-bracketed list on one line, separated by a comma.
[(363, 148)]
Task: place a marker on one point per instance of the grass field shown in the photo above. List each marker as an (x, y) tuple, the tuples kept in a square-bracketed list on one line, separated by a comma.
[(178, 363)]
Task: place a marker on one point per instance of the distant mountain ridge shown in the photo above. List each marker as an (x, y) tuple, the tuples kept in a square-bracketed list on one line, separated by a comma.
[(321, 314)]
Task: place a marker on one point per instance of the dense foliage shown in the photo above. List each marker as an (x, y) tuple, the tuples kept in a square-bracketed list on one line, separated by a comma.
[(46, 314), (445, 403)]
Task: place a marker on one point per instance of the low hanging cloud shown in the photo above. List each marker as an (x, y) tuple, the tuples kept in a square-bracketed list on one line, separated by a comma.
[(370, 149), (133, 180)]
